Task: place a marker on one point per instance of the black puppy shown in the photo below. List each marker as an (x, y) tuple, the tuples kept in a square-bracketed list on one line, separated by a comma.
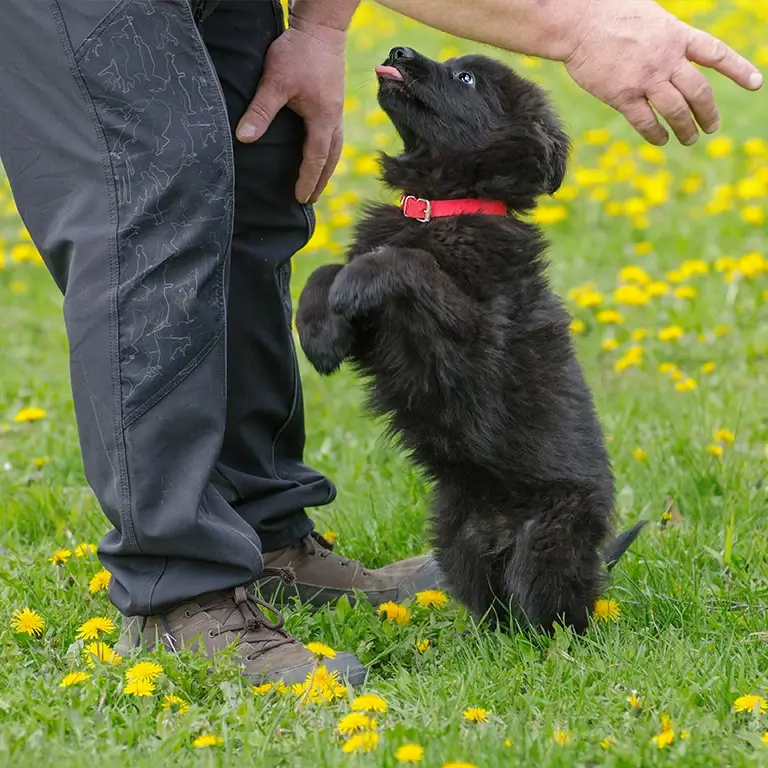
[(445, 307)]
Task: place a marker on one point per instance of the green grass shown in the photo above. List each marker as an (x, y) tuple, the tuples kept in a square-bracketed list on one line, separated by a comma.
[(693, 593)]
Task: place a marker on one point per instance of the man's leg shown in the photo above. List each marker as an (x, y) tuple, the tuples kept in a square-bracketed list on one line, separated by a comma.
[(115, 138), (260, 470)]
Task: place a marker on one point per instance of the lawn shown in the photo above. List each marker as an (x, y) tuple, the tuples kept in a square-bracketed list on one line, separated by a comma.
[(662, 256)]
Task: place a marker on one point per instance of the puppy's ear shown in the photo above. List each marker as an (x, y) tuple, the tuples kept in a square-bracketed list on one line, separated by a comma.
[(556, 147)]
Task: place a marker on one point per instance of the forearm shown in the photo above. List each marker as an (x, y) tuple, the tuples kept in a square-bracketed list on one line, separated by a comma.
[(335, 14), (536, 27)]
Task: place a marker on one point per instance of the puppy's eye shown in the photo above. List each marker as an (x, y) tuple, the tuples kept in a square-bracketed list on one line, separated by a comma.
[(466, 77)]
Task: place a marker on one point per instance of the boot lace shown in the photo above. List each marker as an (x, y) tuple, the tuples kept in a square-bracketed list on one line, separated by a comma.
[(247, 617), (316, 545)]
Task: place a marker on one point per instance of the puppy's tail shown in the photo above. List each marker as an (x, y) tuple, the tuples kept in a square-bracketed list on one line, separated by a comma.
[(614, 550)]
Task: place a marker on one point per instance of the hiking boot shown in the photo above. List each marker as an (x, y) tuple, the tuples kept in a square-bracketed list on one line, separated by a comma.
[(310, 571), (215, 621)]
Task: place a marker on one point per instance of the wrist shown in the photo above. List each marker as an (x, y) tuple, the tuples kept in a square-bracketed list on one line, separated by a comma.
[(333, 15), (563, 26)]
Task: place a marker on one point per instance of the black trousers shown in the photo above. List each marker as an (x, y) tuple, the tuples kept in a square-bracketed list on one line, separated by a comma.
[(172, 243)]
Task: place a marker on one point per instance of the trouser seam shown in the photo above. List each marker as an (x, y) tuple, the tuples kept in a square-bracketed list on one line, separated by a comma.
[(114, 323), (164, 391), (95, 31)]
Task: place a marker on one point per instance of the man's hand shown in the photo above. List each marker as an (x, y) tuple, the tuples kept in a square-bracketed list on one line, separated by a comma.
[(304, 70), (633, 54)]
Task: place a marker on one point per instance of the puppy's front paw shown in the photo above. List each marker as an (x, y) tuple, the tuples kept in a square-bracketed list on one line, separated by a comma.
[(326, 341), (358, 289)]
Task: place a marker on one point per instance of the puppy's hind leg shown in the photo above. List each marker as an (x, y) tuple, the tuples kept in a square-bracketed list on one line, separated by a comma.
[(555, 573), (325, 336)]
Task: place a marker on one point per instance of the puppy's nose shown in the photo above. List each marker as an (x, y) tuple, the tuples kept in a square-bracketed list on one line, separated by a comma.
[(400, 54)]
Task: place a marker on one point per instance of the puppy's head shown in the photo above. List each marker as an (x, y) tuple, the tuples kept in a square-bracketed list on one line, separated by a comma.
[(476, 115)]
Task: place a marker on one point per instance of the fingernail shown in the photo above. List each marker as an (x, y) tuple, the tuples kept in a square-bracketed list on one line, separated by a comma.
[(755, 80), (691, 140), (714, 127), (246, 132)]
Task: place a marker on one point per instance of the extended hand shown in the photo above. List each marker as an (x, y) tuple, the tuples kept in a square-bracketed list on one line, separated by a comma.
[(304, 70), (633, 52)]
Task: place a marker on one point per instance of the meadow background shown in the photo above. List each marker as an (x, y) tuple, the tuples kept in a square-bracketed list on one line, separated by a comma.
[(662, 257)]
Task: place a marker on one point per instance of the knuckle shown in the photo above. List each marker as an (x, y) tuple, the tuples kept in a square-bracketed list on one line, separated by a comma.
[(702, 92)]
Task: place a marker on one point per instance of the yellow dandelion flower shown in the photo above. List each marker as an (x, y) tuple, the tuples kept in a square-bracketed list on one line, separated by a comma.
[(261, 690), (369, 702), (607, 742), (686, 385), (692, 184), (725, 436), (597, 136), (668, 368), (755, 147), (634, 701), (92, 628), (41, 461), (608, 345), (29, 414), (409, 753), (685, 292), (692, 267), (640, 454), (74, 678), (642, 248), (84, 549), (721, 330), (101, 652), (657, 288), (476, 715), (591, 177), (100, 581), (394, 612), (320, 649), (143, 670), (60, 556), (671, 333), (28, 622), (764, 738), (599, 194), (549, 214), (606, 610), (355, 721), (330, 536), (667, 735), (589, 299), (422, 646), (566, 193), (631, 295), (431, 598), (614, 208), (578, 326), (139, 688), (652, 154), (562, 738), (634, 274), (207, 740), (722, 146), (685, 735), (610, 317), (750, 703), (708, 367), (638, 334), (726, 264), (175, 704), (715, 450), (361, 742), (367, 165), (753, 214)]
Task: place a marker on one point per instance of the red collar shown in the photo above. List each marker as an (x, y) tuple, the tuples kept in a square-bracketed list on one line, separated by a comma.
[(424, 210)]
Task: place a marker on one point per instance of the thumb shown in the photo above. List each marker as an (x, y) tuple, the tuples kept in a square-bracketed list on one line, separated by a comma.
[(268, 101)]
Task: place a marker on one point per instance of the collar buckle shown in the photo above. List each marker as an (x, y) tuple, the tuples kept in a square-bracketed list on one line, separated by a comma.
[(427, 207)]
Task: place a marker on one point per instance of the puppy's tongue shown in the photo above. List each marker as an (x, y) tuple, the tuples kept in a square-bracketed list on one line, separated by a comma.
[(389, 72)]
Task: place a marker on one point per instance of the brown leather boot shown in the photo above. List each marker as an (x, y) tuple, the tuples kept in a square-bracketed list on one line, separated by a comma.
[(215, 621), (312, 572)]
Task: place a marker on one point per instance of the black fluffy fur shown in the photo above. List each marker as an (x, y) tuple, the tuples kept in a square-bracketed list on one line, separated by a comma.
[(467, 350)]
